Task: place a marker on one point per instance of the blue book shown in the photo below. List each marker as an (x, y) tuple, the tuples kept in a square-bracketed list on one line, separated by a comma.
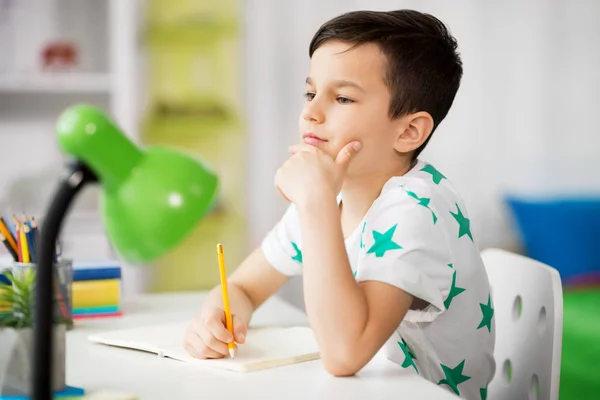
[(96, 270)]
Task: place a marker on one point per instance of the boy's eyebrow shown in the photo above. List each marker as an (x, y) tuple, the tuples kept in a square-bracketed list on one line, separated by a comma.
[(339, 83)]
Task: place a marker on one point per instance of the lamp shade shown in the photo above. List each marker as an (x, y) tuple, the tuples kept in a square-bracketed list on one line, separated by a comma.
[(151, 198)]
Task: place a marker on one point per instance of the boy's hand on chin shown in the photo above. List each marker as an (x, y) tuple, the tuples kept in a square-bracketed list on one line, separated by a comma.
[(310, 175)]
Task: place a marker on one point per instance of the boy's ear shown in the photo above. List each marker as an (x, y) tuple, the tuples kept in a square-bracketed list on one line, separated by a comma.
[(413, 130)]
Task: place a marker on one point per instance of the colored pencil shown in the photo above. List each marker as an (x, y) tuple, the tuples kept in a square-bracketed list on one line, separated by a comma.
[(10, 249), (30, 243), (26, 219), (19, 243), (5, 231), (35, 236), (11, 227), (35, 230), (16, 220), (228, 318), (24, 245)]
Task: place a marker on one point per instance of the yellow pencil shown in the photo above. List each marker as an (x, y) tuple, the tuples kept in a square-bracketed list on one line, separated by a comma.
[(24, 245), (228, 319)]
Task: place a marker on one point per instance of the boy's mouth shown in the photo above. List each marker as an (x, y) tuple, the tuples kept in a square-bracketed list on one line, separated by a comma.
[(311, 138)]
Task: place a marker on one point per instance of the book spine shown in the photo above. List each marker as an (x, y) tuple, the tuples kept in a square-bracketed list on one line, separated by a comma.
[(96, 293), (94, 274), (95, 310)]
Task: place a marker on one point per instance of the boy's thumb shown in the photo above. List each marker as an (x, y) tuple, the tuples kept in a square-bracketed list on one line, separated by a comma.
[(347, 153), (239, 329)]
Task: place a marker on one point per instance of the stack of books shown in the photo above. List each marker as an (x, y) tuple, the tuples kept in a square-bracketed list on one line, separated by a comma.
[(96, 289), (4, 307)]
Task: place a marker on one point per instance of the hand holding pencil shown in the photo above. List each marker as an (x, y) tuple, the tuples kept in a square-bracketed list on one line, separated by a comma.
[(228, 319), (216, 330)]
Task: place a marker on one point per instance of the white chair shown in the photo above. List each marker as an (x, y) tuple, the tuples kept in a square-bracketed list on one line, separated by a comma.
[(528, 309)]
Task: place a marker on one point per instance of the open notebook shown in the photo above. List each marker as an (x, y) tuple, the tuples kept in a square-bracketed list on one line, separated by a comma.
[(266, 347)]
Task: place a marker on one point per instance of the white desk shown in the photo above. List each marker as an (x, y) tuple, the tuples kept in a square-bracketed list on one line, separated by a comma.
[(97, 367)]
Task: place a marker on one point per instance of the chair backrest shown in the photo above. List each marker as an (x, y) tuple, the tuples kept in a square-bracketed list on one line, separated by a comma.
[(528, 309)]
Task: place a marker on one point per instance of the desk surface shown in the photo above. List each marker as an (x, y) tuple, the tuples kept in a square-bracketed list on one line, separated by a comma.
[(98, 367)]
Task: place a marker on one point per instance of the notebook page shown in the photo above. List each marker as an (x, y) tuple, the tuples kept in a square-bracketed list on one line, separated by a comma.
[(267, 347), (152, 339)]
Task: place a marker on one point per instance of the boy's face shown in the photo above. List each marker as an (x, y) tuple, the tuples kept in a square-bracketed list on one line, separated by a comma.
[(346, 100)]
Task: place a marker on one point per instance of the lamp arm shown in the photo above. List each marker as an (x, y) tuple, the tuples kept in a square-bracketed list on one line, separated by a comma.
[(77, 177)]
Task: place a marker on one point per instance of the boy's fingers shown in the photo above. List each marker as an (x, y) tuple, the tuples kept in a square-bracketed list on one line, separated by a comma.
[(218, 330), (212, 343), (296, 148), (347, 153), (196, 347), (191, 350), (207, 352), (192, 342), (239, 329)]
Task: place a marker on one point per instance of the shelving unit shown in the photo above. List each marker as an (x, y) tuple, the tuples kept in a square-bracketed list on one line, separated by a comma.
[(193, 59), (168, 72), (55, 83), (31, 99)]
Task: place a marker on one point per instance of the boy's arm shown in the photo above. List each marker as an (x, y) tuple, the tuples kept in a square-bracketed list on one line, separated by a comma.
[(253, 282), (351, 320)]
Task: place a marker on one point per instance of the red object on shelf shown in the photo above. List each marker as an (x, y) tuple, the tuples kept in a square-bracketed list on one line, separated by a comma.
[(59, 55), (100, 315)]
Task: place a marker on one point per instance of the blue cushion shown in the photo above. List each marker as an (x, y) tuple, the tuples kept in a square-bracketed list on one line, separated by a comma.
[(562, 232)]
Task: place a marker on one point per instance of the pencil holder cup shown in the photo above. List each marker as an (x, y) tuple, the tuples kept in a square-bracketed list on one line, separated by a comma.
[(17, 293), (63, 287)]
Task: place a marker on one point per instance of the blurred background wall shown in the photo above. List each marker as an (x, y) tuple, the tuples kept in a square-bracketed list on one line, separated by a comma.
[(521, 122), (224, 80)]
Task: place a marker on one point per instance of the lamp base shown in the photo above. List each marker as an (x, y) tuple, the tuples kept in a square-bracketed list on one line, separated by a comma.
[(70, 392)]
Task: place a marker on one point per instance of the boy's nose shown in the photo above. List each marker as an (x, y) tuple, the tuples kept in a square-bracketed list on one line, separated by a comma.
[(312, 114)]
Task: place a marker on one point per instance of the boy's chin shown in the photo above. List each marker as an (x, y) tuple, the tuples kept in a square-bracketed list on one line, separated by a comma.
[(325, 146)]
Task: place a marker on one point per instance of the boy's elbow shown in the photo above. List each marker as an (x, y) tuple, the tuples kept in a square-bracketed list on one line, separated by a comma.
[(342, 363), (340, 369)]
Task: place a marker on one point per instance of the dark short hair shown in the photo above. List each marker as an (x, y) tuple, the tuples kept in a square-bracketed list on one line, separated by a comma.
[(424, 68)]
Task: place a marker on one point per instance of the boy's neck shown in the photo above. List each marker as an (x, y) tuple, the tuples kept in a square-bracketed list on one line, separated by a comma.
[(359, 193)]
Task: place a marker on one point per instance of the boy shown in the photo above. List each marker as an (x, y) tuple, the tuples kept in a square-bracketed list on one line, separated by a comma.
[(381, 238)]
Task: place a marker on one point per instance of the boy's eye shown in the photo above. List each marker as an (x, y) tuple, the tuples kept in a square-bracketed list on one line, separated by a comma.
[(309, 96), (344, 100)]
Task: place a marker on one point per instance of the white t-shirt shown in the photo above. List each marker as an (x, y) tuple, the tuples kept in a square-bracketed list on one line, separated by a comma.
[(416, 236)]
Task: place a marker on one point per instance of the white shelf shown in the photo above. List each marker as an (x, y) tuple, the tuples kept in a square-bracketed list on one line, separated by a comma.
[(55, 83)]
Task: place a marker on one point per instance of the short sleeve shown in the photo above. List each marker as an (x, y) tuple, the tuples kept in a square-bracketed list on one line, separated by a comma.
[(282, 247), (405, 246)]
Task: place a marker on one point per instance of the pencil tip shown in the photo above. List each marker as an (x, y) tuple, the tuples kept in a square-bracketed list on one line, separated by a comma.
[(232, 353)]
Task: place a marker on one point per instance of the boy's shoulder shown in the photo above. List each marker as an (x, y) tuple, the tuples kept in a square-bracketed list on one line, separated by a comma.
[(424, 185)]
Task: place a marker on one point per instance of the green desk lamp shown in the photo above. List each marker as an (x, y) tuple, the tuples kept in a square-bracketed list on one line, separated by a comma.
[(150, 200)]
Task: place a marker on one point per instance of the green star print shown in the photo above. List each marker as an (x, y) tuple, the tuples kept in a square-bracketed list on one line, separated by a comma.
[(454, 290), (423, 201), (488, 313), (436, 175), (483, 393), (409, 357), (464, 225), (362, 245), (298, 256), (454, 376), (384, 242)]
